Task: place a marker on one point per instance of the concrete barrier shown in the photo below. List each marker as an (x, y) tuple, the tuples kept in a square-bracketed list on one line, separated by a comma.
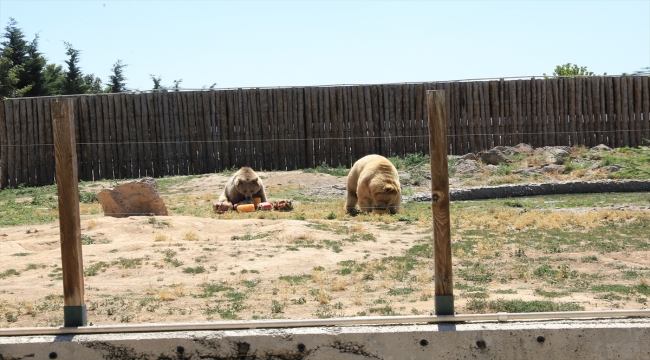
[(626, 338)]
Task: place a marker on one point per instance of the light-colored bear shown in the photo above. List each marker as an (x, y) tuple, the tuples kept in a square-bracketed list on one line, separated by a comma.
[(373, 183), (243, 185)]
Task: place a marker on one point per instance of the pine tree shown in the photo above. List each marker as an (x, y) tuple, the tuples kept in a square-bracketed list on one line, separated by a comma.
[(73, 82), (32, 74), (116, 82)]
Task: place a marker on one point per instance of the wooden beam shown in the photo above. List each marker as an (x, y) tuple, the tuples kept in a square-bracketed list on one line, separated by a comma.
[(65, 155), (444, 294)]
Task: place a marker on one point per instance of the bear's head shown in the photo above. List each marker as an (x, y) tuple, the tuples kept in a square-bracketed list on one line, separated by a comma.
[(247, 183), (383, 196)]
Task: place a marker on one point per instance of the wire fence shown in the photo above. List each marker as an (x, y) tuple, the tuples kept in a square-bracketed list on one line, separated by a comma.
[(129, 135)]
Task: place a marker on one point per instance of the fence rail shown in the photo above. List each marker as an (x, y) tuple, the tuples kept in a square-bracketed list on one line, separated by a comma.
[(181, 133)]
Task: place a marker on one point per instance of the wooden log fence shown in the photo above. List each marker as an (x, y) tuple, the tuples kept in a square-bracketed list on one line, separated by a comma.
[(131, 135)]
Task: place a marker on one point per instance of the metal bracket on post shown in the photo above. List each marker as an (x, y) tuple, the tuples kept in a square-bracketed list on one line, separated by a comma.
[(75, 316), (444, 304)]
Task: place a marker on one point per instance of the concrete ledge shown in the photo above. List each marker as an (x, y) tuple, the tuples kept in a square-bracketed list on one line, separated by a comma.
[(562, 339)]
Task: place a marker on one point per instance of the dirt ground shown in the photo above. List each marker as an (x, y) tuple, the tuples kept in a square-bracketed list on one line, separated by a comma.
[(256, 267)]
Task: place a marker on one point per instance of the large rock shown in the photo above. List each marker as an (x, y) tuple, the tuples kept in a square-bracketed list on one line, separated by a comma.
[(135, 198), (493, 157), (554, 154)]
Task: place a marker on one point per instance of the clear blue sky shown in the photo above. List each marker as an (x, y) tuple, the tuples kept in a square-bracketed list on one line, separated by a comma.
[(299, 43)]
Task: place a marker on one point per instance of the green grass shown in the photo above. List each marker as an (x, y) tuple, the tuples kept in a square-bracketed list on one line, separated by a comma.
[(326, 169), (520, 306)]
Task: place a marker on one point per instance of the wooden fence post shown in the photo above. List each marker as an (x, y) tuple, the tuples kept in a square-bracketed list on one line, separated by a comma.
[(65, 154), (444, 290)]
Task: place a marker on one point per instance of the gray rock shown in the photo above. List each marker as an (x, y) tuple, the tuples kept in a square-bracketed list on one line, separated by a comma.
[(524, 149), (134, 198), (470, 156), (465, 167), (493, 157), (612, 168), (554, 154), (600, 148), (507, 150)]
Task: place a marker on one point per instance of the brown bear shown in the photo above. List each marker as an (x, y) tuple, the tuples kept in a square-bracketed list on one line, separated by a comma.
[(373, 182), (243, 185)]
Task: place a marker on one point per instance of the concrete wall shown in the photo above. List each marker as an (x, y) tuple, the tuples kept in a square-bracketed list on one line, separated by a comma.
[(561, 339)]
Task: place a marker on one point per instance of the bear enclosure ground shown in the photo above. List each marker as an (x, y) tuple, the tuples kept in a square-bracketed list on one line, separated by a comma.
[(549, 253)]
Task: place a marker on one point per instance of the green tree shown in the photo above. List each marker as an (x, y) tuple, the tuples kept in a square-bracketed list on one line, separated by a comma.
[(92, 84), (54, 77), (9, 76), (117, 81), (32, 74), (73, 82), (157, 83), (572, 70), (16, 42)]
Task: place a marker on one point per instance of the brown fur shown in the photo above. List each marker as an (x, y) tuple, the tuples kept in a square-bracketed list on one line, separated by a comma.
[(374, 184), (243, 185)]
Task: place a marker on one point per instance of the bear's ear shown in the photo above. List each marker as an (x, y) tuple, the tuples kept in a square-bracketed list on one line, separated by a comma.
[(388, 188), (237, 182)]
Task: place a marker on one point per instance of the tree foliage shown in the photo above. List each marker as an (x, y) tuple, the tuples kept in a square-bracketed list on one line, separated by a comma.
[(572, 70), (73, 82), (117, 81)]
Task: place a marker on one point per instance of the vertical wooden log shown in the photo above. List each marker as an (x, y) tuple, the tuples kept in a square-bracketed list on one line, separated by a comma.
[(588, 112), (646, 106), (109, 136), (32, 140), (375, 92), (207, 131), (143, 113), (597, 114), (561, 111), (421, 117), (494, 113), (39, 110), (139, 135), (444, 290), (97, 118), (369, 143), (69, 220), (476, 117), (11, 144), (356, 130), (289, 129), (133, 135), (484, 100), (577, 126), (4, 148), (397, 120), (631, 127), (219, 137), (315, 123), (342, 149), (153, 141), (624, 113), (638, 130), (195, 144), (503, 114), (92, 118), (23, 148), (224, 136), (309, 136), (274, 114), (383, 93), (119, 136), (515, 130), (177, 117), (542, 111), (265, 131), (84, 124), (618, 113)]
